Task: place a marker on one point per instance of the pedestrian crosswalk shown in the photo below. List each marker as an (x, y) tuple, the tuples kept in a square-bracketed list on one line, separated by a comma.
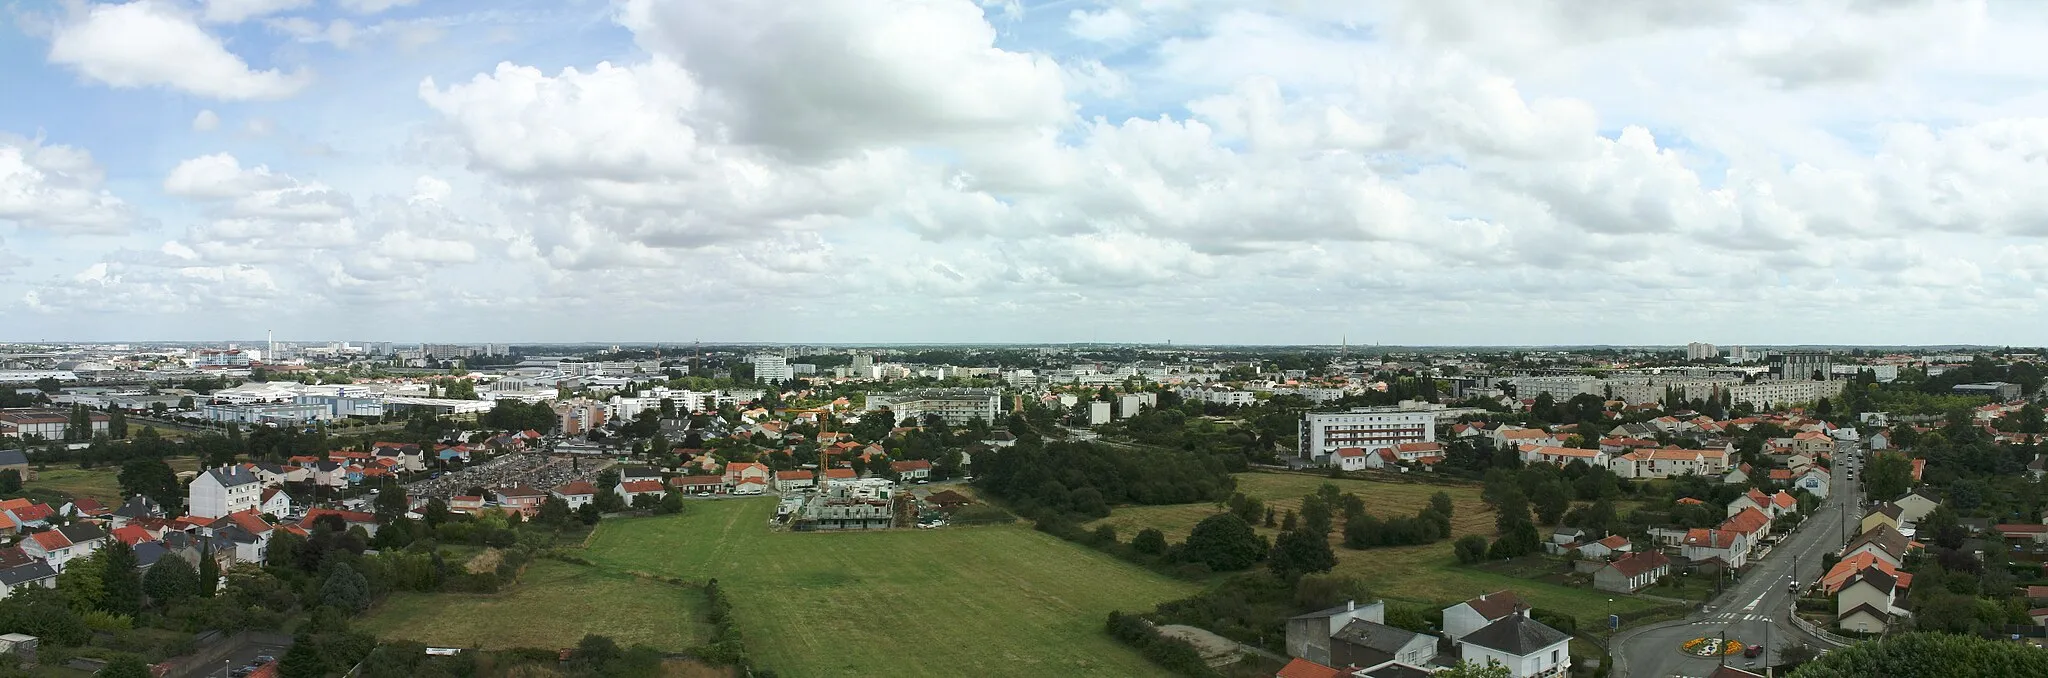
[(1738, 616)]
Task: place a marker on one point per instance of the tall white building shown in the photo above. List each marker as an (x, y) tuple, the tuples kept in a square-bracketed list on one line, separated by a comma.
[(1367, 428), (956, 405), (221, 491), (1700, 351), (772, 369)]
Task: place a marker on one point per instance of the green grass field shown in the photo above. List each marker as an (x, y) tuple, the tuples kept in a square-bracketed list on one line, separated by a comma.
[(1426, 574), (552, 606), (102, 482), (959, 601)]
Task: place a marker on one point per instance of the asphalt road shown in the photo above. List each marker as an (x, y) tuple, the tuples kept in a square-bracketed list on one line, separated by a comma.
[(1755, 609)]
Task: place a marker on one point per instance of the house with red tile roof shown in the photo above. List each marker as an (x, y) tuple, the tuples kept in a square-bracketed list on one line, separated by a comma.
[(1472, 615), (698, 484), (1562, 456), (914, 469), (1632, 572), (738, 471), (1610, 546), (1700, 544), (786, 481), (630, 490)]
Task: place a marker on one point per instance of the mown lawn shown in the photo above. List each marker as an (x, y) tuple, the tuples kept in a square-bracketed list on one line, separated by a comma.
[(552, 606), (100, 482), (958, 601), (1426, 574)]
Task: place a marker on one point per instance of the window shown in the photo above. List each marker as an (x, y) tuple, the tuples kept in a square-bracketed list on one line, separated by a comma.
[(1553, 656)]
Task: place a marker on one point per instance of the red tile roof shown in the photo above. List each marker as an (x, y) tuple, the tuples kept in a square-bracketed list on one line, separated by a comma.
[(911, 465), (1302, 668), (576, 488), (794, 475), (1749, 521), (1638, 563), (1496, 605), (132, 535), (639, 486), (840, 474)]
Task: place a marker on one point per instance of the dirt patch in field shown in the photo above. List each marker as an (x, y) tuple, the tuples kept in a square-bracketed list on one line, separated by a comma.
[(484, 562)]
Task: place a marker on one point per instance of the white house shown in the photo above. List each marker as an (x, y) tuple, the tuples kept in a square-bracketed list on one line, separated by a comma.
[(221, 491), (1528, 648), (1351, 458), (576, 493), (64, 544), (1471, 615), (35, 573), (273, 501), (1814, 481)]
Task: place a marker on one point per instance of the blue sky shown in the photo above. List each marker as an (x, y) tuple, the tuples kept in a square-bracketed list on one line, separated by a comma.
[(951, 170)]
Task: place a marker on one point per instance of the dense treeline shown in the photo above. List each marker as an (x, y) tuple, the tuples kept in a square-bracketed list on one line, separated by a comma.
[(1087, 478), (1928, 655)]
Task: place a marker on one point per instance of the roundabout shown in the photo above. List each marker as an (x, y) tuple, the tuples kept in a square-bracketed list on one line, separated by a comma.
[(1710, 647)]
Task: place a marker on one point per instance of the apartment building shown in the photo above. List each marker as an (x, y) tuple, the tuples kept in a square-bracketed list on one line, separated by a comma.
[(956, 405), (1366, 428)]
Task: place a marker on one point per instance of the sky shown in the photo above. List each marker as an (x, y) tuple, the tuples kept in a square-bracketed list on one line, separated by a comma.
[(1466, 172)]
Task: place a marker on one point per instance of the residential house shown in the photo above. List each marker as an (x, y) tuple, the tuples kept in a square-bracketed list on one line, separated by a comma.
[(1751, 523), (1511, 437), (1702, 544), (1308, 635), (631, 490), (1813, 444), (786, 481), (2023, 533), (1754, 499), (34, 573), (221, 491), (250, 534), (1632, 572), (575, 493), (1561, 456), (1423, 453), (1303, 668), (737, 472), (1881, 514), (1846, 568), (1612, 545), (64, 544), (1668, 462), (1528, 648), (750, 486), (1914, 506), (1814, 481), (1471, 615), (136, 507), (1351, 458), (273, 501), (1368, 643), (1873, 591), (1881, 541), (911, 470), (521, 498), (699, 485), (466, 504)]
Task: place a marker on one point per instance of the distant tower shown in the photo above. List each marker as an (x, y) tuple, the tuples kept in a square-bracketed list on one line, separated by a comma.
[(269, 345)]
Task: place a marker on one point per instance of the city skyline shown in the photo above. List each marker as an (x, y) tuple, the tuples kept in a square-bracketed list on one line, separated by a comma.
[(1434, 173)]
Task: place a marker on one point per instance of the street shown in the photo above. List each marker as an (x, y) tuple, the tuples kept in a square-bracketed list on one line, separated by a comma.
[(1756, 609)]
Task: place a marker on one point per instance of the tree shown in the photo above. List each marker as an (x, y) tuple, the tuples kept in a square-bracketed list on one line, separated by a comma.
[(1441, 503), (345, 590), (303, 660), (1492, 669), (1315, 514), (170, 578), (553, 511), (1551, 501), (117, 425), (82, 583), (1149, 541), (10, 481), (1888, 475), (1298, 553), (1927, 655), (1470, 548), (1223, 542), (120, 583), (209, 572), (154, 479), (124, 667)]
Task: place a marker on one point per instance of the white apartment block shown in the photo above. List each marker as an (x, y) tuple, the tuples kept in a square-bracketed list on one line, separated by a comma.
[(1367, 428), (956, 405), (772, 369), (1700, 351), (1776, 392), (222, 491)]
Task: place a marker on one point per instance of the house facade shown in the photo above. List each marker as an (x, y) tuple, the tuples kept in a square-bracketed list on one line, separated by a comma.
[(221, 491)]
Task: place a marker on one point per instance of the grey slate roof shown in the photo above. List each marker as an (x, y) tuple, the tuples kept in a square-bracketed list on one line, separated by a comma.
[(35, 571), (138, 506), (1376, 636), (1516, 635), (80, 533), (1396, 671), (147, 553), (232, 476), (13, 458)]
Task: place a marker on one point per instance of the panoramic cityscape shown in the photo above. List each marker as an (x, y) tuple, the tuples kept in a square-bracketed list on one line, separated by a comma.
[(1023, 338)]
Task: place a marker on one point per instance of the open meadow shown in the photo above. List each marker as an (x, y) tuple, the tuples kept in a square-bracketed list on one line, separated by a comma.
[(1427, 574), (552, 606), (959, 601), (100, 482)]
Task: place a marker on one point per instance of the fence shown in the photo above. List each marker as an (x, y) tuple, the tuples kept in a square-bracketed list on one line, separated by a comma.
[(1820, 633)]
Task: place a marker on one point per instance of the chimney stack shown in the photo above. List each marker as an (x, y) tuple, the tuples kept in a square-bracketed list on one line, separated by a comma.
[(1350, 605)]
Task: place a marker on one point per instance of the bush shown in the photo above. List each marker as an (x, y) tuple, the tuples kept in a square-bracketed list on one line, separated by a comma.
[(1172, 654), (1471, 549)]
